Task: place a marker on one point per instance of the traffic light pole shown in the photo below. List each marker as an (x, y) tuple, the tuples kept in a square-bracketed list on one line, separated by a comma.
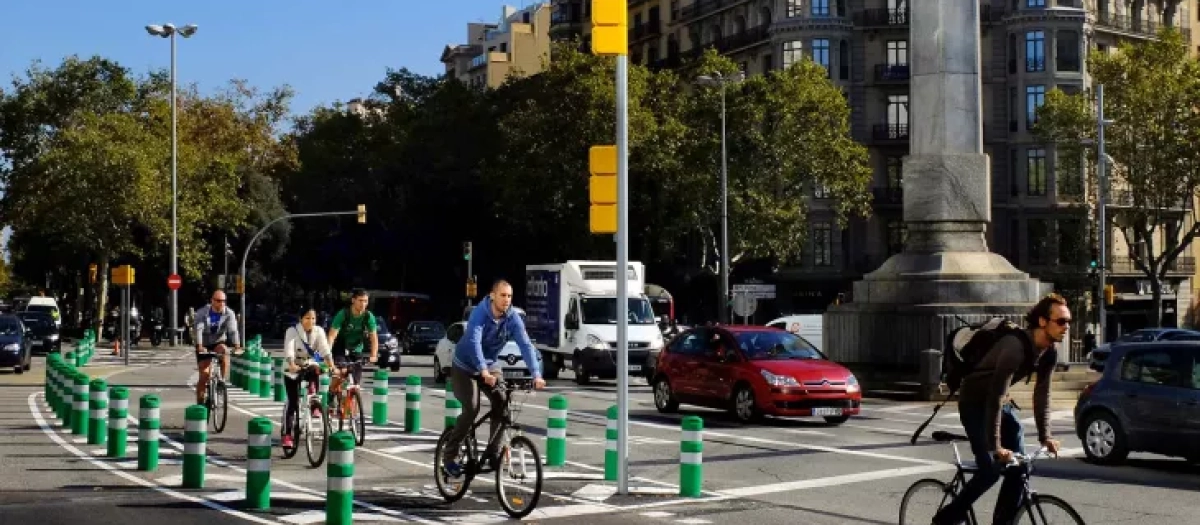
[(622, 274), (470, 250), (1102, 205)]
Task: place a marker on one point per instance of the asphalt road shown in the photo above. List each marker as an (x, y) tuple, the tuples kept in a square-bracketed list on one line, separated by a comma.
[(781, 471)]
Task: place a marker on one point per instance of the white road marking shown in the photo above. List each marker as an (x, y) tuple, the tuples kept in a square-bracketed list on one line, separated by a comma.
[(771, 488)]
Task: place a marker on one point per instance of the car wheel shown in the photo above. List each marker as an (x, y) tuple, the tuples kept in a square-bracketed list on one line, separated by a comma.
[(1104, 440), (581, 376), (744, 406), (836, 420), (438, 375), (551, 363), (19, 369), (664, 399)]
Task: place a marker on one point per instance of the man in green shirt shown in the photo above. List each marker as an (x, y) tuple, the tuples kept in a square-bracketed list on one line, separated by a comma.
[(349, 331)]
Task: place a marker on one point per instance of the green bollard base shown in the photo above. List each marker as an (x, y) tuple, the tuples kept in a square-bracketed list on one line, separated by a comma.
[(79, 423), (339, 507), (148, 456), (96, 432), (412, 421), (610, 465), (690, 480), (117, 439), (379, 413), (258, 490), (193, 471), (556, 452)]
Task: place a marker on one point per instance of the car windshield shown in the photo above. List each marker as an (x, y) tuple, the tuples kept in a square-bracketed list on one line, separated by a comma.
[(1140, 336), (10, 327), (429, 329), (36, 320), (776, 345), (603, 310), (39, 308)]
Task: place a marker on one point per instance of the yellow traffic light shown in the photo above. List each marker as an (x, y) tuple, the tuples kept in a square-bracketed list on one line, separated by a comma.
[(602, 189), (362, 213), (1110, 296), (610, 27)]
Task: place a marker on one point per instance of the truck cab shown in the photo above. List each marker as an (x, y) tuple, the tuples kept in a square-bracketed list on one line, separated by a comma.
[(572, 313)]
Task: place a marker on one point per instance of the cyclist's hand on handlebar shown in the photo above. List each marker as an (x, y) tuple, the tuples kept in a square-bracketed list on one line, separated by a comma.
[(488, 378), (1052, 446), (1003, 455), (539, 383)]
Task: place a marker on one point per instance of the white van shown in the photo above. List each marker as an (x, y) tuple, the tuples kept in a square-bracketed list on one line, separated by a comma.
[(807, 326), (47, 305)]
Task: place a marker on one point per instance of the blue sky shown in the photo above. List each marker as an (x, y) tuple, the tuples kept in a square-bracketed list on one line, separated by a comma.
[(325, 50)]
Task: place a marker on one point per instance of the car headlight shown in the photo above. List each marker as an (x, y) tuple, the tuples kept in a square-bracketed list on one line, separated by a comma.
[(775, 380), (53, 337), (596, 343), (391, 344), (12, 348), (852, 384)]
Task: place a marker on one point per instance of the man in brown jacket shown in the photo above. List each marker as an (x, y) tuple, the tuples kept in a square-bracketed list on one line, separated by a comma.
[(990, 419)]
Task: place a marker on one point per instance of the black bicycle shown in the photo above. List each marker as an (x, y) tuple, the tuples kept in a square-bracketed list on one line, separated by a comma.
[(512, 456), (216, 399), (915, 509)]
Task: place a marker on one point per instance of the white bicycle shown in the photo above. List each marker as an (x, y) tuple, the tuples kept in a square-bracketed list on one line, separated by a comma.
[(302, 421)]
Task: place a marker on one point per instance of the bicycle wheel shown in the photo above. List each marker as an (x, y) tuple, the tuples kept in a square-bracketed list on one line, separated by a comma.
[(316, 439), (922, 500), (294, 422), (1049, 510), (452, 489), (519, 478), (358, 419), (219, 405)]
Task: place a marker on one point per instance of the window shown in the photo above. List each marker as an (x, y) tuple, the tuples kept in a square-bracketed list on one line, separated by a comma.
[(1066, 51), (1153, 367), (1035, 96), (794, 8), (822, 240), (820, 52), (895, 173), (897, 52), (1035, 172), (820, 7), (691, 343), (1035, 51), (844, 60), (792, 53), (766, 62), (1072, 242), (897, 111), (820, 191), (897, 234), (1038, 237), (1195, 370), (1035, 3)]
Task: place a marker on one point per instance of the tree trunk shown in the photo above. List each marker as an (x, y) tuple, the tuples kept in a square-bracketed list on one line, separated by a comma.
[(102, 295), (1156, 291)]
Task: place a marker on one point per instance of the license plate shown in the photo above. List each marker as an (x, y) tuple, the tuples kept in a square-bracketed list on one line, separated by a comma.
[(514, 374), (635, 368), (826, 411)]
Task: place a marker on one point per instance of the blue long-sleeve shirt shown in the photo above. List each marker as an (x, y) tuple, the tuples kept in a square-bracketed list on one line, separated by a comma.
[(485, 337)]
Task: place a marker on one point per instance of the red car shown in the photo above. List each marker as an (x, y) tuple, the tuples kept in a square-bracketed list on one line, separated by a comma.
[(753, 371)]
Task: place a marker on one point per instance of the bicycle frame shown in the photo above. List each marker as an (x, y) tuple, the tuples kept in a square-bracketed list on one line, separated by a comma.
[(1019, 461), (506, 423)]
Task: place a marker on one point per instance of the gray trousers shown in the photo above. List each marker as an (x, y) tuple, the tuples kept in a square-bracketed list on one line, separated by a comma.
[(466, 388)]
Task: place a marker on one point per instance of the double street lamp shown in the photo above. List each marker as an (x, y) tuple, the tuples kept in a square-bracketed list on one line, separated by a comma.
[(721, 81), (169, 31)]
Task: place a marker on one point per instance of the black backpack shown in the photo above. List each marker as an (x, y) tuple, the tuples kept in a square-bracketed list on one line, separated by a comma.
[(966, 345)]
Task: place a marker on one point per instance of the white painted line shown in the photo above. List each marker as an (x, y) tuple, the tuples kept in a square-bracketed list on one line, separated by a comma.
[(132, 464), (37, 416), (176, 479), (409, 448), (692, 521), (896, 408), (595, 492), (318, 516), (742, 492), (563, 511), (240, 495), (581, 476), (657, 514)]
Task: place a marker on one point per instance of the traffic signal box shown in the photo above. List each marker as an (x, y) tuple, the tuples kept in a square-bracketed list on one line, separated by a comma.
[(602, 188), (610, 27)]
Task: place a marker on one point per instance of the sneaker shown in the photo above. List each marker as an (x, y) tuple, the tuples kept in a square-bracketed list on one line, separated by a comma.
[(287, 442), (452, 468)]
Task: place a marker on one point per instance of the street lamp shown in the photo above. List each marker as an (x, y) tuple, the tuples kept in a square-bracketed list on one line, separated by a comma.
[(169, 31), (721, 81)]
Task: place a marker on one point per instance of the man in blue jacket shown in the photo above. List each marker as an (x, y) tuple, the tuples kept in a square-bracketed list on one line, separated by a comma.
[(492, 323)]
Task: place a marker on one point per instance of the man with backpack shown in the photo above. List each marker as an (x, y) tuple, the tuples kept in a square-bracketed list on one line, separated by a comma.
[(986, 361), (349, 331)]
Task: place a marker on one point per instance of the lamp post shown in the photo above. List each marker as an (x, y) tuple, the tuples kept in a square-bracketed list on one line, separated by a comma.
[(721, 81), (169, 31)]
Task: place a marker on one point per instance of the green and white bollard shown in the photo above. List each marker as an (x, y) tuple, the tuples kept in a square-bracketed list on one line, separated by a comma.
[(148, 432), (691, 454), (66, 394), (279, 391), (252, 372), (556, 432), (453, 410), (48, 388), (323, 387), (379, 398), (258, 463), (264, 376), (118, 421), (98, 408), (412, 405), (339, 496), (79, 408), (610, 445), (195, 438)]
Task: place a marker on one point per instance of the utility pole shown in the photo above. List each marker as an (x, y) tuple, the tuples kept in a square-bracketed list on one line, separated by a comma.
[(1102, 205)]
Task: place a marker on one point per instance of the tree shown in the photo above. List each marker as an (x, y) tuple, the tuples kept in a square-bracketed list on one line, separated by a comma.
[(1151, 92)]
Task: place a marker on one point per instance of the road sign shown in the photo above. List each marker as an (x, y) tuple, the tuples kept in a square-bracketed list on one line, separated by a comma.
[(757, 291), (174, 282), (744, 304)]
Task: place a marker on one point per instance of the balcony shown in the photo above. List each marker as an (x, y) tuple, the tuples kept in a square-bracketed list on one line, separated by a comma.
[(890, 132), (888, 195), (881, 17), (1123, 264), (1068, 64), (1035, 64), (645, 31), (745, 38), (1135, 26), (700, 8), (891, 72)]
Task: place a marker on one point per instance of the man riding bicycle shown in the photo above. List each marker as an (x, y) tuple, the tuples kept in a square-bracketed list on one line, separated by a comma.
[(489, 327), (215, 328), (355, 325), (304, 349)]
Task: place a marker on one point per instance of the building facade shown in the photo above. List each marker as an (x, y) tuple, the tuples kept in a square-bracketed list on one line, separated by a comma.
[(519, 44), (1029, 47)]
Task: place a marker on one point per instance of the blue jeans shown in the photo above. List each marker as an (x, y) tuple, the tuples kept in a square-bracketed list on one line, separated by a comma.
[(1012, 437)]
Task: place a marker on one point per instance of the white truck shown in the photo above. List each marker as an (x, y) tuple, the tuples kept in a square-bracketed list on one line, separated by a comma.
[(571, 312)]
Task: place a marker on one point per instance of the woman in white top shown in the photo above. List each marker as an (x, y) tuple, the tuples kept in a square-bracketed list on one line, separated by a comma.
[(305, 347)]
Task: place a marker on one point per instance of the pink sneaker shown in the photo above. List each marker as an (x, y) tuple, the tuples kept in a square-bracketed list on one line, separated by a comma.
[(287, 442)]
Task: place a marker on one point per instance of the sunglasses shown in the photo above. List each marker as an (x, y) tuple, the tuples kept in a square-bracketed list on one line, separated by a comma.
[(1062, 321)]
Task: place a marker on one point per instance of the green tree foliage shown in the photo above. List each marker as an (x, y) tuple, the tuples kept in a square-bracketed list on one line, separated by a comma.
[(1151, 92)]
